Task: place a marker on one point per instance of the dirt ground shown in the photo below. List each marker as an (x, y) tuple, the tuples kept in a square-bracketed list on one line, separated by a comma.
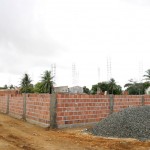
[(19, 135)]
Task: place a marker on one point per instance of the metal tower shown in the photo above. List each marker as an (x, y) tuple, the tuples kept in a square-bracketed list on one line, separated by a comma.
[(140, 70), (108, 68), (75, 75), (98, 74), (53, 72)]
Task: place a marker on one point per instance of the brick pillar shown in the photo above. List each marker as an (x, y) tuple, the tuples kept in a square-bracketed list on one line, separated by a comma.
[(142, 100), (111, 103), (7, 109), (24, 107), (53, 110)]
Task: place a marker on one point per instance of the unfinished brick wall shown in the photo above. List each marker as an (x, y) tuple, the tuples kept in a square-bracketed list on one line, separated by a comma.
[(65, 110), (8, 91), (34, 108), (3, 103), (77, 109), (38, 108), (124, 101), (81, 109), (16, 105), (146, 99)]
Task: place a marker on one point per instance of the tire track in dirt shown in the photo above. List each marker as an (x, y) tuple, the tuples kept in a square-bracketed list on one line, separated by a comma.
[(16, 141)]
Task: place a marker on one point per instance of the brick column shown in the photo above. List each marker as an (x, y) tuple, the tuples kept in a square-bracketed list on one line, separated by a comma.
[(24, 107), (53, 110), (111, 103), (142, 100), (7, 110)]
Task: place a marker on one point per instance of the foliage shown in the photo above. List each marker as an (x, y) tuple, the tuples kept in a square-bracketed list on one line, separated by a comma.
[(46, 82), (94, 89), (4, 87), (86, 90), (135, 88), (26, 86), (11, 87), (111, 87), (147, 75), (38, 88)]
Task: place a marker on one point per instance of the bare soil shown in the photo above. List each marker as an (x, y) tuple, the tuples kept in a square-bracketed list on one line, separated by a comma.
[(19, 135)]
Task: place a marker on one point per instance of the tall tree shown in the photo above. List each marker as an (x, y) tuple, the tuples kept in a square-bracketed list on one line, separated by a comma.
[(136, 88), (86, 90), (111, 87), (11, 87), (26, 86), (47, 83), (147, 75)]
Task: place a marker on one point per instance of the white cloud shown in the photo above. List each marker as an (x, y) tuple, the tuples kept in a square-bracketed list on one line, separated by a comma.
[(34, 34)]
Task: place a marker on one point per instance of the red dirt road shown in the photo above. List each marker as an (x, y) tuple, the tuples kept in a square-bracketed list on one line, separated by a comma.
[(19, 135)]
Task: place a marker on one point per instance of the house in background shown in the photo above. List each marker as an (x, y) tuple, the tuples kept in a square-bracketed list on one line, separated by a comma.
[(65, 89), (61, 89), (76, 89)]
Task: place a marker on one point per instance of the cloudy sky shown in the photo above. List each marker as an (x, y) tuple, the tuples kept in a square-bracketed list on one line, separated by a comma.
[(37, 33)]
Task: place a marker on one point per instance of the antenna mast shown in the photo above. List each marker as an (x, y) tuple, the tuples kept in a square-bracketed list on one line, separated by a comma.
[(108, 68), (53, 71)]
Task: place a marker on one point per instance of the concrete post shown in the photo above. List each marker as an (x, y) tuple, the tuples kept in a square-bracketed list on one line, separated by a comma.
[(53, 111), (24, 107), (142, 100), (7, 109), (111, 103)]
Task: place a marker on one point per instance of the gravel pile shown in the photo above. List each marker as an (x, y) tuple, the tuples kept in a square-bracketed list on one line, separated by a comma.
[(133, 122)]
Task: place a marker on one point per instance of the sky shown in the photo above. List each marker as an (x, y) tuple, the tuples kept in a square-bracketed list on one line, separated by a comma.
[(98, 36)]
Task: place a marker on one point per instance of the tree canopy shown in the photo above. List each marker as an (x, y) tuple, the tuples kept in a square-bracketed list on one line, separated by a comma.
[(147, 75), (111, 87), (26, 86), (86, 90), (136, 88), (46, 82)]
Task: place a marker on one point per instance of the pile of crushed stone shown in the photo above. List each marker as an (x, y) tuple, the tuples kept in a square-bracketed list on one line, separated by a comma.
[(133, 122)]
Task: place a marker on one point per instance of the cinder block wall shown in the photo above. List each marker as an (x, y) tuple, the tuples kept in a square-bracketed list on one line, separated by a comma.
[(65, 110)]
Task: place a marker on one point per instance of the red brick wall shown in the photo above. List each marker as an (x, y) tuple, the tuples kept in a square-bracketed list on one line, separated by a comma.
[(75, 109), (38, 108), (6, 91), (147, 99), (16, 105), (83, 109), (3, 104), (72, 109), (124, 101)]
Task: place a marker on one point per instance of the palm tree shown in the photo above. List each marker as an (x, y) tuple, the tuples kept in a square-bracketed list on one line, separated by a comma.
[(112, 85), (47, 83), (135, 88), (147, 75), (131, 83), (26, 85)]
